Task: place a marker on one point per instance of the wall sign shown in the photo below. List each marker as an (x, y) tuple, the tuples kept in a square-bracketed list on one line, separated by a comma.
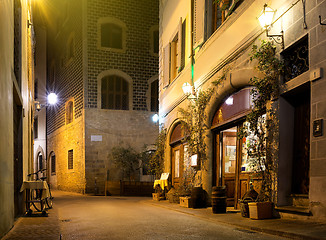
[(96, 138)]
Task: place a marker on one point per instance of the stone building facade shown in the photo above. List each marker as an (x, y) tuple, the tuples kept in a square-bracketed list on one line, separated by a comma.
[(220, 39), (16, 91), (103, 64)]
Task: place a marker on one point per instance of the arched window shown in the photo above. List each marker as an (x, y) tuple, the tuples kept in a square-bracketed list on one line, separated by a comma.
[(53, 163), (111, 34), (70, 112), (114, 93), (70, 47), (40, 161)]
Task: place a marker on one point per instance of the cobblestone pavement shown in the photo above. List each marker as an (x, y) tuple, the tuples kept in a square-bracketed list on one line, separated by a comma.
[(36, 227), (77, 216)]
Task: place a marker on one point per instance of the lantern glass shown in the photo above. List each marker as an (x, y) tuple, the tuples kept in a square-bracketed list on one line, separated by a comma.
[(187, 88), (266, 17)]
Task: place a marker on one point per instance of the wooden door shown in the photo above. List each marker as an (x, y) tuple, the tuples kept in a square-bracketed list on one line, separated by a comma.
[(301, 145)]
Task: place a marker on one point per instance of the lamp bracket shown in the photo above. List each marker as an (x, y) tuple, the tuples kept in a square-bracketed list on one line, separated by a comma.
[(320, 21), (278, 38)]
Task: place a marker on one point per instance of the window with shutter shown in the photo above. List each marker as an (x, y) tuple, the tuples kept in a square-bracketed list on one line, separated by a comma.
[(221, 11), (199, 11), (166, 65)]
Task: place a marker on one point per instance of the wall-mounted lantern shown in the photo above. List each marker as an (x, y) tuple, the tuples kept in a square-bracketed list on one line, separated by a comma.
[(266, 21)]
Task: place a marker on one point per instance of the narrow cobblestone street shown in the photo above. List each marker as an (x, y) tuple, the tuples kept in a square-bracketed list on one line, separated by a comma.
[(77, 216)]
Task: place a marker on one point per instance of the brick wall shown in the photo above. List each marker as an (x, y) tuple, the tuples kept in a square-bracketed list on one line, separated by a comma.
[(136, 61), (68, 78)]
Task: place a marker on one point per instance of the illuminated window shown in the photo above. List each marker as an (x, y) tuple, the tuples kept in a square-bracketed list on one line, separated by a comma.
[(114, 93)]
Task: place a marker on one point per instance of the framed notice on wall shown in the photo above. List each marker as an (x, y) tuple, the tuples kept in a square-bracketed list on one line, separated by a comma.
[(231, 152)]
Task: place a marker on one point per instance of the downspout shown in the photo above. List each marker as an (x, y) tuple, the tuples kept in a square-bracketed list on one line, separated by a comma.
[(192, 46)]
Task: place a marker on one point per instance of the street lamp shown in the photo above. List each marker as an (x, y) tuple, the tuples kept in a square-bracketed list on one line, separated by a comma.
[(155, 118), (266, 20), (189, 91), (52, 99)]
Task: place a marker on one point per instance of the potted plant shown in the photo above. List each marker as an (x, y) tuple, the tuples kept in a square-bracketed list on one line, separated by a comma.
[(261, 126)]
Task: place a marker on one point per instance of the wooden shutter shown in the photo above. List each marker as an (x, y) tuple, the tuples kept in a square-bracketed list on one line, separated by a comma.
[(199, 10), (179, 45), (166, 65)]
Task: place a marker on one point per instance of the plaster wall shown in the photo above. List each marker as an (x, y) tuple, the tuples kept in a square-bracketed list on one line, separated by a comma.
[(231, 44), (40, 77), (109, 128), (6, 119)]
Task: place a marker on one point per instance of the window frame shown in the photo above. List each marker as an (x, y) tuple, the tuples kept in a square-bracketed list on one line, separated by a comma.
[(69, 113), (150, 91), (53, 164), (152, 42), (70, 49), (117, 22)]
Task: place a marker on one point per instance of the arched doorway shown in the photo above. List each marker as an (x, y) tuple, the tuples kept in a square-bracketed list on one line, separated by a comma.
[(230, 166)]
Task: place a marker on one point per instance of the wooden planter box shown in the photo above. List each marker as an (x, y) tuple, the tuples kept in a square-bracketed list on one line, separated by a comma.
[(260, 210), (156, 196), (186, 202)]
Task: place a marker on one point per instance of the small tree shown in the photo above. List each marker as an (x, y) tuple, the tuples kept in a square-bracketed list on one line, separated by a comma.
[(156, 162), (266, 87), (126, 159)]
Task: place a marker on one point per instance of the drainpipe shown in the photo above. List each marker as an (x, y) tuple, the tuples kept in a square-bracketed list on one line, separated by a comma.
[(192, 45)]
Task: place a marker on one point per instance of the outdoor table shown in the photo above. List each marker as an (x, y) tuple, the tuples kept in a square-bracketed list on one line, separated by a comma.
[(162, 183), (42, 185)]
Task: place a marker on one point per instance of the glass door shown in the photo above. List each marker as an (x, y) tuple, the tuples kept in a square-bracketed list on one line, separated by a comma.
[(229, 162)]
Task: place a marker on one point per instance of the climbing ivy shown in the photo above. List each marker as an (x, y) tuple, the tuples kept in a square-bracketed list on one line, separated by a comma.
[(266, 88)]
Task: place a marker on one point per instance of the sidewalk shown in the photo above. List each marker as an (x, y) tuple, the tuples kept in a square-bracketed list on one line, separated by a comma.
[(36, 227), (291, 228)]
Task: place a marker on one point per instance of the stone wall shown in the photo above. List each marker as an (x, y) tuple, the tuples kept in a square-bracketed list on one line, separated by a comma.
[(317, 51), (110, 128), (68, 137)]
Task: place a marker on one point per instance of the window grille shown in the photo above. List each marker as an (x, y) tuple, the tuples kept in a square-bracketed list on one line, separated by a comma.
[(71, 159), (114, 93), (296, 59)]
